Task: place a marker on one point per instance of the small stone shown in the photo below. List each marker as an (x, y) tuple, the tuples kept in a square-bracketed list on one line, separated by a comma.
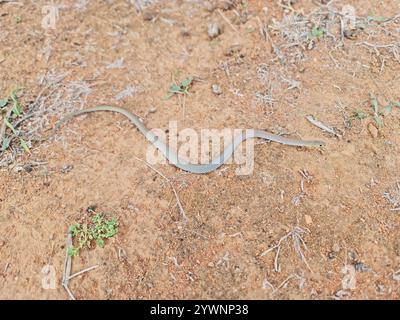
[(232, 50), (213, 30), (352, 255), (152, 110), (350, 34), (211, 264), (373, 130), (109, 291), (341, 294), (331, 255), (380, 287), (148, 15), (308, 219), (216, 89), (185, 32), (92, 208), (311, 45), (28, 168), (67, 168)]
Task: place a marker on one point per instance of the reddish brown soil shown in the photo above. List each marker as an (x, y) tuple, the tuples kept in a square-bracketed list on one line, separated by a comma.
[(233, 219)]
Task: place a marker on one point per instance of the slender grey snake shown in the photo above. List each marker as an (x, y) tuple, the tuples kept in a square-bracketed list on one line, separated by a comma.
[(179, 162)]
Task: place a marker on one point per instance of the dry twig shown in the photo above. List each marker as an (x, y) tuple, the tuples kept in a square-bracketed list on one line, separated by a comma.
[(298, 242)]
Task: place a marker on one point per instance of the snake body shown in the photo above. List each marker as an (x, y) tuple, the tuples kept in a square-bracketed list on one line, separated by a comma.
[(182, 164)]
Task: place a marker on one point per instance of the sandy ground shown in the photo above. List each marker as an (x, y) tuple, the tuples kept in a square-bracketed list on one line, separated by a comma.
[(343, 234)]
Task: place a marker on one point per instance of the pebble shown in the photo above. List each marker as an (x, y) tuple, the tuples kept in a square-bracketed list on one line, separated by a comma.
[(148, 15), (185, 32), (352, 255), (380, 287), (308, 219), (216, 89), (232, 50), (374, 132), (152, 110), (67, 168), (213, 30), (332, 255), (350, 34)]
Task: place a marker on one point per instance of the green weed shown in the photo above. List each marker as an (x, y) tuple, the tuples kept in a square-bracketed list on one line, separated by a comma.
[(17, 111), (97, 231), (317, 32), (182, 88), (377, 112)]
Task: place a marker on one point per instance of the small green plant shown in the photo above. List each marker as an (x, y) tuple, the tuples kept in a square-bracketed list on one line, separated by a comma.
[(3, 103), (317, 32), (376, 18), (17, 111), (389, 108), (182, 88), (377, 114), (360, 115), (97, 231)]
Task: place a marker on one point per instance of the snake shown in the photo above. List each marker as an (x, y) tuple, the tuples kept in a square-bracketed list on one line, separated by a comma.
[(180, 163)]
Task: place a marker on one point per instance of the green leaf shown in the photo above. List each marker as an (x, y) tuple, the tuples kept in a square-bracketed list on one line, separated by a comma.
[(376, 18), (359, 114), (389, 108), (99, 230), (100, 243), (187, 82), (6, 143), (175, 88), (14, 93), (24, 145), (317, 32), (374, 104), (73, 252), (75, 229), (17, 110), (378, 121), (8, 124), (168, 96), (3, 103)]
